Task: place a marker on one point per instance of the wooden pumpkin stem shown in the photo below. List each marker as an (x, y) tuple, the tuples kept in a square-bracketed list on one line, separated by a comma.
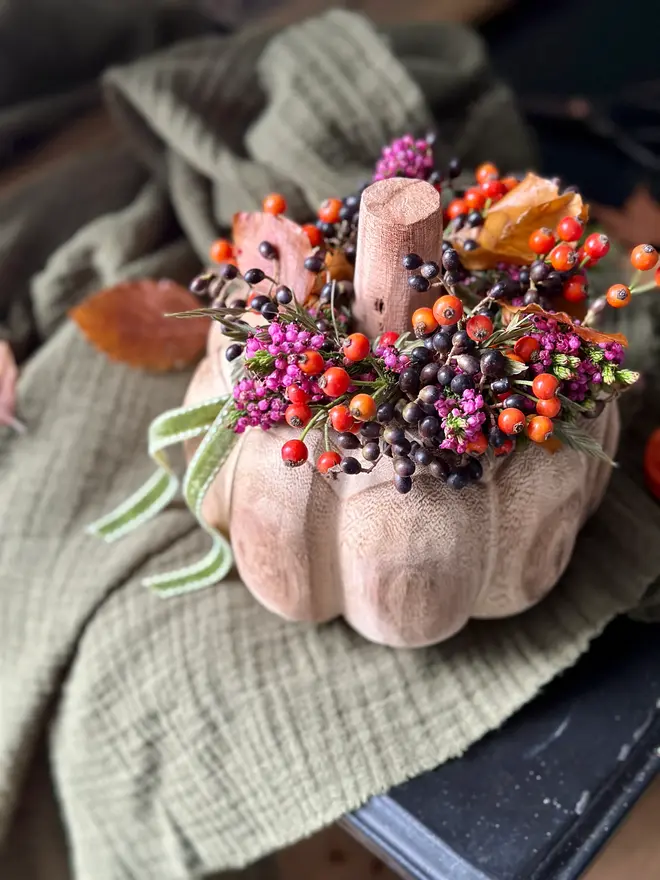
[(397, 217)]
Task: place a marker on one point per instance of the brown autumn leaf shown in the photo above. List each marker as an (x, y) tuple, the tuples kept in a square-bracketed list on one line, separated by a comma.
[(291, 242), (504, 236), (128, 323), (638, 220), (586, 333), (8, 379)]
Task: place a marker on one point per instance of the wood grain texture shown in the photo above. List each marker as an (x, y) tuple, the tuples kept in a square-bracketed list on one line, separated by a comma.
[(397, 217)]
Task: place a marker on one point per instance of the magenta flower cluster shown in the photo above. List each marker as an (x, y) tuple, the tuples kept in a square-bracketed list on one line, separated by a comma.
[(462, 419), (405, 157), (393, 359), (554, 341), (262, 402)]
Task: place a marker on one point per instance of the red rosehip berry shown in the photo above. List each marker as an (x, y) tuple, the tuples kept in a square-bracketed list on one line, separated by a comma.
[(311, 363), (493, 189), (569, 229), (314, 234), (274, 204), (335, 381), (545, 386), (540, 429), (363, 407), (447, 310), (456, 207), (575, 289), (584, 260), (326, 461), (505, 449), (656, 277), (424, 322), (389, 338), (510, 183), (486, 171), (596, 245), (550, 408), (563, 257), (297, 415), (542, 241), (296, 394), (329, 210), (511, 420), (526, 348), (341, 418), (618, 296), (356, 347), (479, 445), (221, 250), (294, 453), (474, 199), (644, 257), (479, 328)]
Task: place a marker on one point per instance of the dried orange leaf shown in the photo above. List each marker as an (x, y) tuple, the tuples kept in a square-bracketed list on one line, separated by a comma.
[(128, 323), (8, 379), (504, 236), (290, 241), (586, 333)]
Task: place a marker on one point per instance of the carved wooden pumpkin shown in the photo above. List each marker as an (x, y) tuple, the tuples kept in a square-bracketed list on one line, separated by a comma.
[(409, 570)]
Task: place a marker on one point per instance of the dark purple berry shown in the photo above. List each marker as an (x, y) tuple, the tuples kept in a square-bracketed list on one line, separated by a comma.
[(420, 355), (429, 394), (418, 283), (454, 168), (402, 484), (269, 311), (371, 450), (283, 295), (347, 440), (422, 456), (370, 430), (229, 271), (430, 269), (350, 465), (519, 401), (445, 375), (475, 469), (429, 427), (474, 219), (328, 230), (498, 290), (325, 294), (531, 298), (539, 271), (200, 284), (470, 244), (404, 466), (458, 479), (350, 252), (385, 413), (461, 383), (233, 351), (314, 263), (493, 363), (254, 276), (259, 302), (412, 262), (461, 342), (468, 364), (497, 437), (501, 386), (387, 450), (428, 374), (441, 342), (402, 448), (450, 260), (412, 413), (439, 469), (393, 434), (409, 380), (268, 251)]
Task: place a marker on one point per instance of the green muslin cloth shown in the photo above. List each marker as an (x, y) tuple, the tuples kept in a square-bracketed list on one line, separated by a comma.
[(142, 738)]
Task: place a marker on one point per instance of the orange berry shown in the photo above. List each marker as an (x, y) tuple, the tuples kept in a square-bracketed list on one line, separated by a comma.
[(221, 250), (423, 322), (570, 229), (563, 257), (356, 347), (479, 328), (575, 289), (540, 429), (326, 461), (341, 418), (511, 420), (550, 408), (486, 171), (314, 234), (363, 407), (311, 363), (335, 381), (456, 207), (479, 445), (545, 386), (274, 204), (329, 210), (510, 183), (297, 415), (541, 241), (618, 296), (644, 257), (474, 199), (447, 310), (506, 448), (526, 347)]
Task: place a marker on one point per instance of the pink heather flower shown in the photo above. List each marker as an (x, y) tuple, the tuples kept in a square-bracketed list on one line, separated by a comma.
[(462, 419), (393, 359), (405, 157)]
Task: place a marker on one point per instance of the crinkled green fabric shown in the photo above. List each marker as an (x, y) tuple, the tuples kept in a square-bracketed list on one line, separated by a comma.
[(172, 740)]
